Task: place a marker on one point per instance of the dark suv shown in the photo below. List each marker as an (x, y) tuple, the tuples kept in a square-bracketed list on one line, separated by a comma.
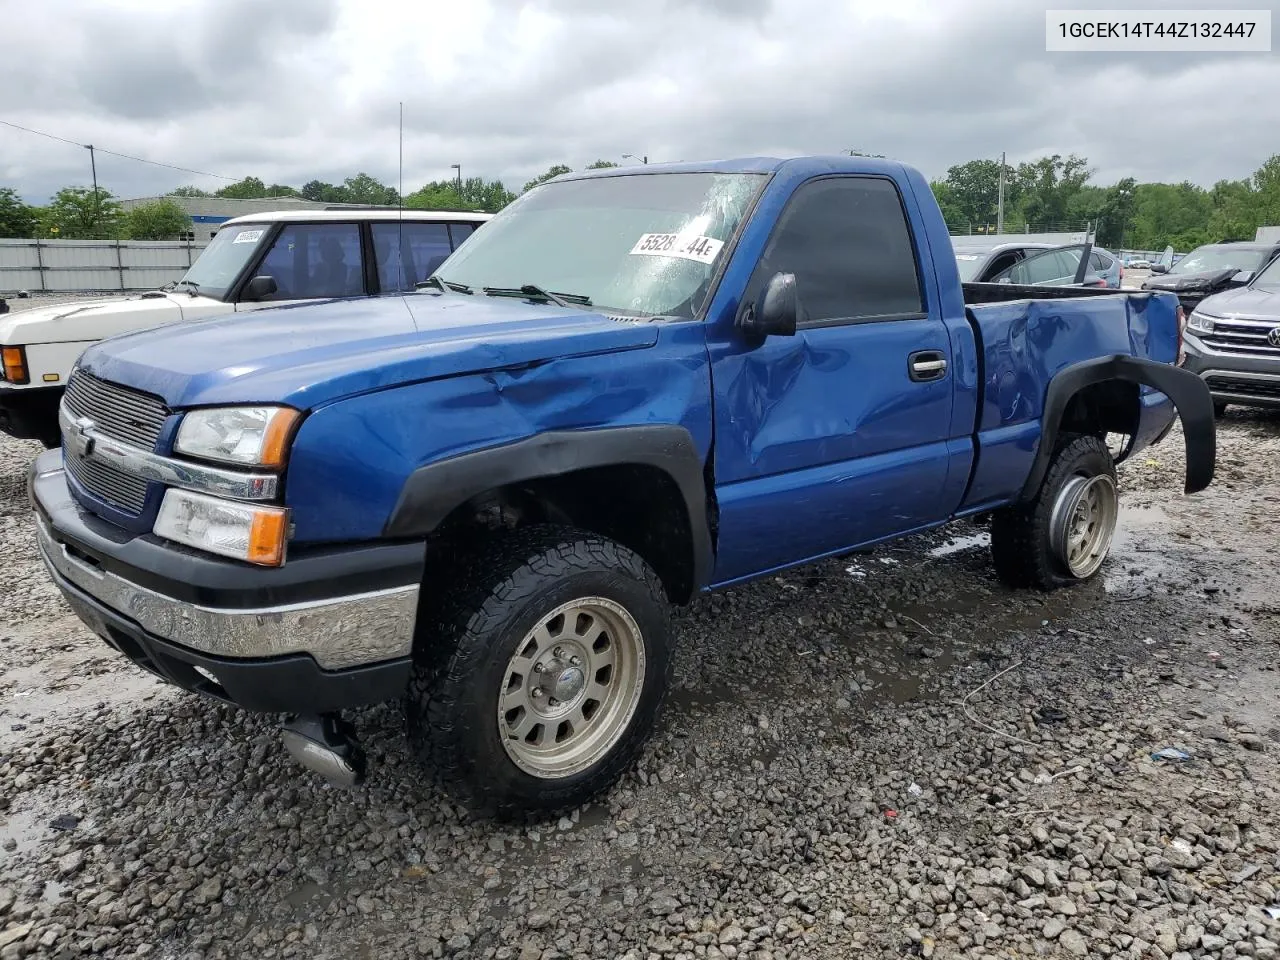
[(1211, 269)]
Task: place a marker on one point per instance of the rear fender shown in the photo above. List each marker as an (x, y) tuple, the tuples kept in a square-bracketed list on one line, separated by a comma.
[(1187, 391)]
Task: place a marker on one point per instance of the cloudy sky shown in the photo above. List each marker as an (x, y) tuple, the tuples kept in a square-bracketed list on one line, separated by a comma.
[(289, 90)]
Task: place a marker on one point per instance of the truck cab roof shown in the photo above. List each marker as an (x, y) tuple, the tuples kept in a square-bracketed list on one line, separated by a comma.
[(356, 213)]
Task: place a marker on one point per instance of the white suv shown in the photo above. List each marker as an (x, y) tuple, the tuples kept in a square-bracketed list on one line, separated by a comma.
[(255, 261)]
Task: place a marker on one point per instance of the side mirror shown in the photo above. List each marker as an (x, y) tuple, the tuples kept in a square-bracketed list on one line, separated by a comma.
[(1159, 268), (259, 288), (776, 311), (1244, 276)]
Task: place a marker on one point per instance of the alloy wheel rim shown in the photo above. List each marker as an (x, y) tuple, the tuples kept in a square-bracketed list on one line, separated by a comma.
[(571, 688), (1083, 522)]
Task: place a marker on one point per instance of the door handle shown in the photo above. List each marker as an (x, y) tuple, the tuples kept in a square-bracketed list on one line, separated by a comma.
[(926, 365)]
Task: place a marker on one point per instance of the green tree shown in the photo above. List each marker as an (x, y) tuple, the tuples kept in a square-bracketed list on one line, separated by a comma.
[(476, 194), (1046, 188), (76, 213), (250, 188), (973, 191), (1235, 210), (189, 192), (1168, 213), (162, 220), (282, 190), (17, 220), (363, 188), (601, 165), (436, 195), (551, 174), (1266, 181), (487, 195), (318, 191)]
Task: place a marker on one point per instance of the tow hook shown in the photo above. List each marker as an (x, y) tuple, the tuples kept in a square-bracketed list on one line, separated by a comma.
[(326, 744)]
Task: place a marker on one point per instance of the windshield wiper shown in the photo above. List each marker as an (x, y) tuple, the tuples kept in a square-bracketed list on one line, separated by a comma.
[(442, 284), (532, 291), (193, 287)]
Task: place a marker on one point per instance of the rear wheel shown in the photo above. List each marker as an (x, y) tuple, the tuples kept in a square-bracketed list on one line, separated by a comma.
[(541, 671), (1064, 534)]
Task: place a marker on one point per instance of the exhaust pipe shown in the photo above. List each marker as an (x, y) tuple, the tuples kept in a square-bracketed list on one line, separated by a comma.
[(327, 745)]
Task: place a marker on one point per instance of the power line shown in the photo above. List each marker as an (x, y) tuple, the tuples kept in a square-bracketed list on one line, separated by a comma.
[(123, 156)]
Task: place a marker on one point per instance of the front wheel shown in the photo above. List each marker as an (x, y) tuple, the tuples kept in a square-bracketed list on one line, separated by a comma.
[(540, 672), (1064, 534)]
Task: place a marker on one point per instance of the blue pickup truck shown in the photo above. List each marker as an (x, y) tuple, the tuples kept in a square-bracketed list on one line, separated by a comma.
[(632, 387)]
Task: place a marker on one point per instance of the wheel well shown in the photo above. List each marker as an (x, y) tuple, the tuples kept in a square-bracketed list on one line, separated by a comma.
[(1110, 406), (638, 505)]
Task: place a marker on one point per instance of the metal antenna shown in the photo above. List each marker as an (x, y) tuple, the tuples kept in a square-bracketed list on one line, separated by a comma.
[(400, 193)]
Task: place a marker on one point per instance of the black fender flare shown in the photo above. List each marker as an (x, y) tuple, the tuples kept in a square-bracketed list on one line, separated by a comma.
[(1189, 393), (433, 491)]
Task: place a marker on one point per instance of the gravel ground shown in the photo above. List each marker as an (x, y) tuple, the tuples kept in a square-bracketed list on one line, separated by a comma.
[(886, 755)]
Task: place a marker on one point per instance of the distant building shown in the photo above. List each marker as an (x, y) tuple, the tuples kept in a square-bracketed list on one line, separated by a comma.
[(207, 213)]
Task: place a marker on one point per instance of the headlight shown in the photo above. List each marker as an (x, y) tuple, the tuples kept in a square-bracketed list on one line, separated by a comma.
[(258, 436), (243, 531), (1200, 322)]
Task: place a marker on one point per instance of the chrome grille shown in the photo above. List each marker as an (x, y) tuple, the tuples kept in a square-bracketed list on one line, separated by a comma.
[(116, 411), (123, 490), (122, 414), (1246, 337)]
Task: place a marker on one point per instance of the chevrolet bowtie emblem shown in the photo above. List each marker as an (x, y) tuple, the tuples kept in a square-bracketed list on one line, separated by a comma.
[(78, 439)]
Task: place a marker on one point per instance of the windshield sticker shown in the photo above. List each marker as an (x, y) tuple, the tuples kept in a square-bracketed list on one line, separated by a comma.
[(699, 249), (248, 236)]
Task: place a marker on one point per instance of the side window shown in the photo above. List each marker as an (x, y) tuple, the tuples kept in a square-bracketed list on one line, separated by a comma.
[(460, 232), (400, 267), (1046, 268), (1003, 263), (315, 261), (1099, 262), (847, 242)]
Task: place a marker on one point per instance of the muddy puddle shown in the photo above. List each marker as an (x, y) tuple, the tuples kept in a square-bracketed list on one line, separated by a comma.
[(38, 696)]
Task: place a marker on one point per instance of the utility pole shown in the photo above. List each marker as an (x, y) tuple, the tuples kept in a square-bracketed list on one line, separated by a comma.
[(632, 156), (458, 167), (1000, 198), (93, 165)]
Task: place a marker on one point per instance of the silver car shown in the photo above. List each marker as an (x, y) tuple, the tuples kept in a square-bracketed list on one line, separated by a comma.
[(1233, 342)]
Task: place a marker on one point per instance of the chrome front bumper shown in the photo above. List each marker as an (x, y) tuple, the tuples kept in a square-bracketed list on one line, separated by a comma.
[(338, 633)]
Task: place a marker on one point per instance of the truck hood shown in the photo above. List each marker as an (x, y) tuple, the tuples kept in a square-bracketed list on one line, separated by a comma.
[(311, 354), (1246, 303), (82, 320)]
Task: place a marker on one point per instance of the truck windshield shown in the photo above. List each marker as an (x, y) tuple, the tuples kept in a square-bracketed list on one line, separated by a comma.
[(216, 269), (642, 244), (969, 264), (1269, 279), (1207, 259)]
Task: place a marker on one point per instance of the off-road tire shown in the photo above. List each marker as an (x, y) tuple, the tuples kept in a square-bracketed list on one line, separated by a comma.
[(1020, 544), (470, 626)]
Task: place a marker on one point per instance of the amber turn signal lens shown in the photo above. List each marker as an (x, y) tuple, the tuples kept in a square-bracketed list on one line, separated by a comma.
[(275, 440), (266, 537), (15, 364)]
